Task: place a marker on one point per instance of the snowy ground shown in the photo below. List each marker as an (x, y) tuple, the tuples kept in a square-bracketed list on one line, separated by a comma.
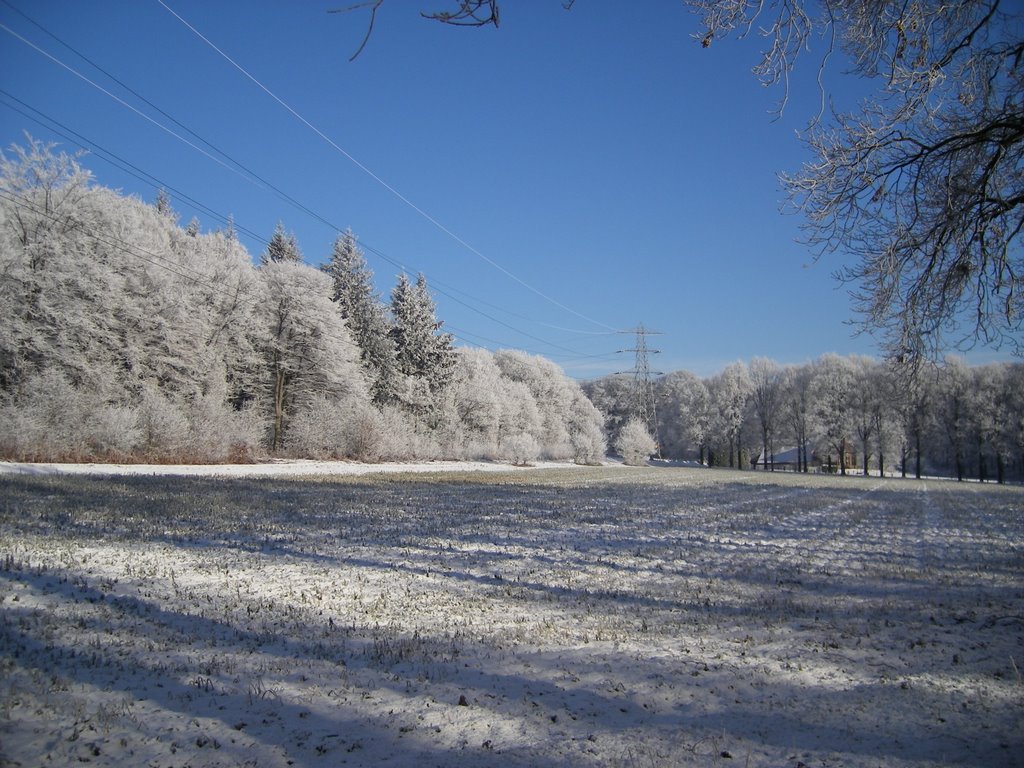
[(276, 468), (567, 617)]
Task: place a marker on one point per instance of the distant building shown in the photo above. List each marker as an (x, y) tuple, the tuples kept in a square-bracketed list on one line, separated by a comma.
[(789, 460)]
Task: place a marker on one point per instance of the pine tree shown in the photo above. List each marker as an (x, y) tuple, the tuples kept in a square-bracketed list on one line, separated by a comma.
[(422, 351), (282, 248), (353, 294), (163, 204)]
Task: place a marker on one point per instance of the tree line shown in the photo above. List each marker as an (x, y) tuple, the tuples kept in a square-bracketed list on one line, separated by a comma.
[(841, 414), (127, 336)]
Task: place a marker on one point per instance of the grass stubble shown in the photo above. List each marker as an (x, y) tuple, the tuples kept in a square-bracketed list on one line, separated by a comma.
[(578, 617)]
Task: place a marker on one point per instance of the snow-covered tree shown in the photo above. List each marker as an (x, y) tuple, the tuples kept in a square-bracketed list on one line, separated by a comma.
[(683, 415), (766, 378), (797, 411), (864, 403), (885, 414), (586, 434), (476, 400), (282, 248), (366, 317), (730, 396), (1013, 423), (611, 396), (833, 386), (988, 411), (308, 354), (50, 271), (635, 443), (953, 410), (422, 350)]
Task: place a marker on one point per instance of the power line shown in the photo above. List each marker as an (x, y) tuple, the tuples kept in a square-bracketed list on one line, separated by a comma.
[(377, 178), (138, 173), (125, 166), (248, 175)]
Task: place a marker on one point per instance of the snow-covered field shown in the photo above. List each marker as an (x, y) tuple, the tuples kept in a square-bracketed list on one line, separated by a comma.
[(565, 617)]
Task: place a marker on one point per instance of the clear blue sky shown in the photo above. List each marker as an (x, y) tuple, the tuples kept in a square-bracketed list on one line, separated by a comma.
[(599, 155)]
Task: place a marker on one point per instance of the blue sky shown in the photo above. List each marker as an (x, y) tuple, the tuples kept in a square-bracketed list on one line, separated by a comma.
[(564, 176)]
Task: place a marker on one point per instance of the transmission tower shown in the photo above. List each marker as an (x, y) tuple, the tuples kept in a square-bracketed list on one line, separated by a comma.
[(642, 393)]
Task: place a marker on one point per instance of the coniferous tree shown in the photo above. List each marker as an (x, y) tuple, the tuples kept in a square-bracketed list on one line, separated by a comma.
[(163, 205), (282, 248), (422, 351), (353, 294)]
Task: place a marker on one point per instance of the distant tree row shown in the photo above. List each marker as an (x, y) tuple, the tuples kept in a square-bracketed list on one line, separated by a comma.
[(129, 337), (841, 414)]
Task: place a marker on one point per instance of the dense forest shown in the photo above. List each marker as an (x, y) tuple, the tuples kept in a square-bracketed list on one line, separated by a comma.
[(841, 414), (130, 337), (127, 336)]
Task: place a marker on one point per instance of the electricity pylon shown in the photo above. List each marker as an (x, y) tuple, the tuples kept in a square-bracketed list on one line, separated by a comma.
[(642, 393)]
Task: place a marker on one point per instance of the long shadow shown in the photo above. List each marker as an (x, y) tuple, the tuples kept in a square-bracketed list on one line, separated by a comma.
[(300, 521), (329, 523), (796, 724)]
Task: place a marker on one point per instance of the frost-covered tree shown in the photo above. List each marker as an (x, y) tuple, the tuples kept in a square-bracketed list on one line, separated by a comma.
[(797, 410), (366, 317), (833, 385), (50, 272), (1013, 423), (766, 379), (423, 351), (683, 415), (282, 248), (520, 415), (885, 413), (953, 409), (308, 355), (864, 404), (586, 434), (611, 396), (635, 443), (730, 396), (986, 412), (475, 400), (108, 295), (551, 391)]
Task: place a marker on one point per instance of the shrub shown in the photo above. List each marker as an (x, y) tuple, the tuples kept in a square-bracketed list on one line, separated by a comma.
[(520, 449), (635, 443)]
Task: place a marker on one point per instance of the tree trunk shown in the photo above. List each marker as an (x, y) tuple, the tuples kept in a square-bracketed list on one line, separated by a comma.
[(842, 457), (866, 458), (917, 454), (279, 387)]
